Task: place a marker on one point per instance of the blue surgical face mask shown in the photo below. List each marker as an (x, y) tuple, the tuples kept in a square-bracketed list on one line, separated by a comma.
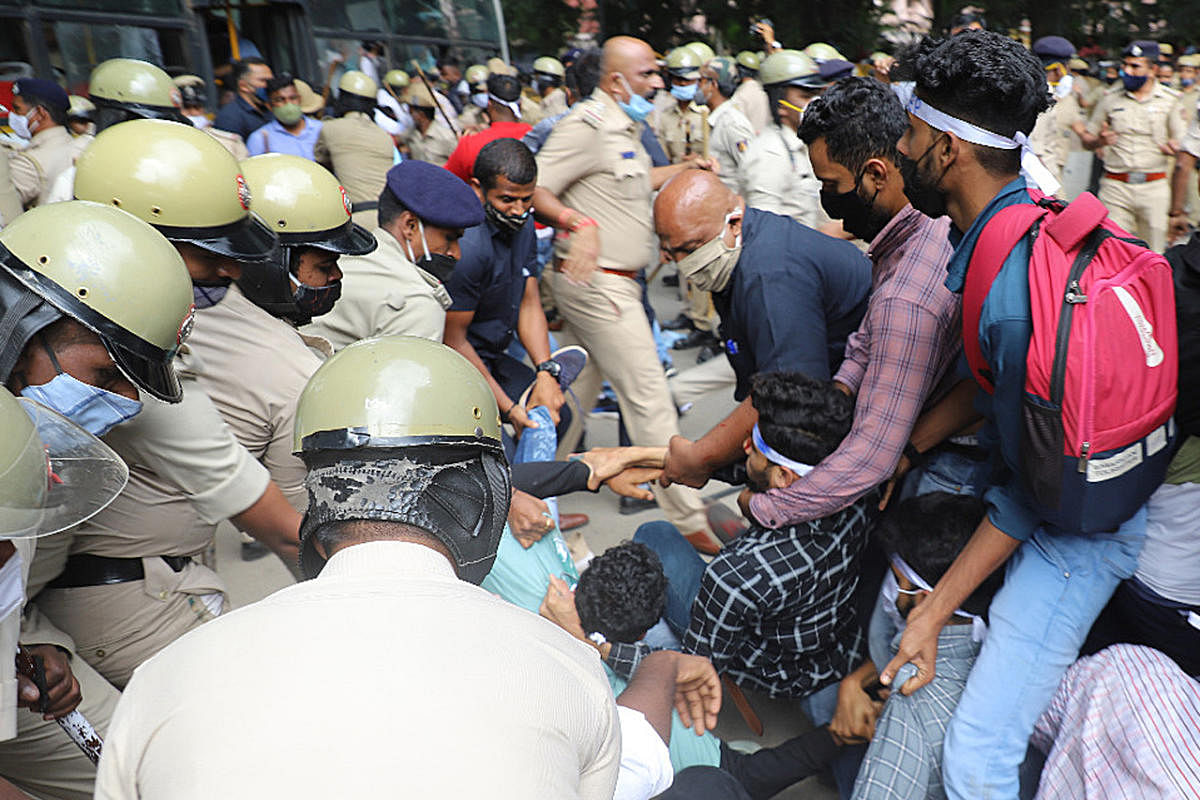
[(684, 93), (1132, 82), (95, 410), (638, 107), (1186, 82), (479, 99), (261, 94)]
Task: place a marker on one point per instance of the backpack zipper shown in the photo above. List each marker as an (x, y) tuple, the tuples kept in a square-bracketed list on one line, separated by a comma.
[(1071, 298)]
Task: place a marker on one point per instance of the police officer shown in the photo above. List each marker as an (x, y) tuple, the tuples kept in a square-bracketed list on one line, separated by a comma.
[(680, 127), (1053, 134), (39, 115), (356, 150), (750, 96), (126, 88), (395, 83), (775, 174), (133, 582), (731, 131), (474, 114), (594, 183), (81, 116), (398, 288), (429, 139), (1139, 125), (548, 76)]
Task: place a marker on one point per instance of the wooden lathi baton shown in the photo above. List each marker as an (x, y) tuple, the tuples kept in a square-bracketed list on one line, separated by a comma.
[(82, 733)]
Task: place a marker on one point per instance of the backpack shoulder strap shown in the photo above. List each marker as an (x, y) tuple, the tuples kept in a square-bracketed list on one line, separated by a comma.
[(996, 241), (1071, 225)]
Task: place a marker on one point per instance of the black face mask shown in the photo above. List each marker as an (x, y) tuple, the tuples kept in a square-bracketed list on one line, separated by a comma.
[(509, 223), (313, 301), (920, 191), (858, 216), (438, 265), (206, 294)]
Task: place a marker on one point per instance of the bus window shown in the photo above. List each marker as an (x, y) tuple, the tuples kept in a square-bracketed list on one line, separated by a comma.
[(171, 8), (75, 48)]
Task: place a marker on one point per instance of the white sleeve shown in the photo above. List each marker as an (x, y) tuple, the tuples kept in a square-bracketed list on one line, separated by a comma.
[(645, 760)]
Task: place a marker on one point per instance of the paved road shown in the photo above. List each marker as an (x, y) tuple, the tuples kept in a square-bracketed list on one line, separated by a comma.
[(782, 719)]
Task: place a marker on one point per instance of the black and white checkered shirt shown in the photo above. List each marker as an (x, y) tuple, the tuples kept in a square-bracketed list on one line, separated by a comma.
[(775, 609)]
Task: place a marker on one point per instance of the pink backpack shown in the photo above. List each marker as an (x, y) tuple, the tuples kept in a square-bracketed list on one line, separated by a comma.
[(1102, 368)]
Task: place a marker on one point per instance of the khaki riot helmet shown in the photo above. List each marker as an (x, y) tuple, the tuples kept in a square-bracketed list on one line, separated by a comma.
[(397, 79), (684, 63), (403, 429), (53, 473), (476, 75), (358, 83), (550, 67), (702, 51), (180, 180), (305, 206), (790, 68), (749, 61), (419, 96), (820, 51), (80, 108), (107, 270), (126, 88)]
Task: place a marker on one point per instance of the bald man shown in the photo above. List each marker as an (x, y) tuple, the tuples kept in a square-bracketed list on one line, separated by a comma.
[(595, 182), (788, 297)]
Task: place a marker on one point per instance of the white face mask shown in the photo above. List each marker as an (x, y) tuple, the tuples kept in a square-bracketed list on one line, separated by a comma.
[(710, 266), (20, 125), (891, 591), (199, 120)]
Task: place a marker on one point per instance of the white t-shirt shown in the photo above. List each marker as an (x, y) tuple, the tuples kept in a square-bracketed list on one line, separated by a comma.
[(645, 760)]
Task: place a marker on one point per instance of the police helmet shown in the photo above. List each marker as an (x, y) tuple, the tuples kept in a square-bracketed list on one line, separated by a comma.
[(126, 88)]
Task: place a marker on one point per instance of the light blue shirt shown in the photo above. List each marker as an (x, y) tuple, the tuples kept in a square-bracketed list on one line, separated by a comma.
[(274, 138)]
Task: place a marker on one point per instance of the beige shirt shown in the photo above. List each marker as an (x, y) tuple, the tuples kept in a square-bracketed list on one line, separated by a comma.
[(10, 199), (1143, 127), (358, 152), (751, 98), (681, 133), (553, 103), (34, 169), (729, 141), (594, 162), (434, 145), (231, 142), (776, 175), (254, 367), (1052, 136), (383, 293), (386, 676)]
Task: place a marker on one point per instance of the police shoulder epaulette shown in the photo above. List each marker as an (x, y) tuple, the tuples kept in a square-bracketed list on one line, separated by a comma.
[(592, 112), (1170, 90)]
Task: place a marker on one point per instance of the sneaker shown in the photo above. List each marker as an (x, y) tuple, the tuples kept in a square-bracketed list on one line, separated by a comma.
[(572, 359), (680, 323), (693, 339)]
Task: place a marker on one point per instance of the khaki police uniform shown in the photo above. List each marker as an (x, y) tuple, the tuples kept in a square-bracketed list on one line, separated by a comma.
[(383, 293), (553, 103), (359, 153), (729, 141), (531, 109), (681, 132), (1189, 109), (1052, 137), (231, 142), (10, 199), (433, 146), (595, 163), (34, 169), (187, 472), (1134, 184), (751, 98), (777, 176), (471, 120), (253, 367)]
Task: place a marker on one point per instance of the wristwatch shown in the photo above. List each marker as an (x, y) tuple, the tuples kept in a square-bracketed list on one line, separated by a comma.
[(551, 366)]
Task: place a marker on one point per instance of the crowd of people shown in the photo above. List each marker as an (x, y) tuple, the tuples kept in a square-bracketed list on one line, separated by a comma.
[(369, 332)]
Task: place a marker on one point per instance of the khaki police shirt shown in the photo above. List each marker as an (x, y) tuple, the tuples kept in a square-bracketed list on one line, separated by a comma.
[(776, 176), (358, 152), (751, 98), (681, 133), (34, 169), (594, 162), (10, 199), (471, 120), (231, 142), (1052, 136), (531, 109), (434, 145), (554, 103), (383, 293), (1142, 128), (730, 139), (254, 367)]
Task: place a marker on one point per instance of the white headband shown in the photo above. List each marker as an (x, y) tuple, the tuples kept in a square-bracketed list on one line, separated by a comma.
[(776, 457), (978, 626), (513, 106), (1031, 166)]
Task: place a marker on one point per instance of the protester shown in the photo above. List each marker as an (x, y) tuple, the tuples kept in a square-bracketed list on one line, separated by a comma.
[(247, 111), (291, 132), (503, 92)]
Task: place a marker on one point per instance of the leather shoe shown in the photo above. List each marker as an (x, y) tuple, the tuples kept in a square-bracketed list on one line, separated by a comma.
[(680, 323), (569, 522), (703, 542), (693, 339), (632, 505), (708, 351)]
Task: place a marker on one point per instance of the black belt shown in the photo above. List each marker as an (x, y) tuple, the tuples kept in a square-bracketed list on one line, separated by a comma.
[(88, 570), (368, 206)]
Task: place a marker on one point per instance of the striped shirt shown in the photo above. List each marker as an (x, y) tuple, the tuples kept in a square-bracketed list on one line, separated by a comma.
[(1124, 723), (907, 342)]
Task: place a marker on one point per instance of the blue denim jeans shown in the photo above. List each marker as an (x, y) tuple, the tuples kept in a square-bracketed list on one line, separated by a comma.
[(539, 444), (683, 567), (1054, 588)]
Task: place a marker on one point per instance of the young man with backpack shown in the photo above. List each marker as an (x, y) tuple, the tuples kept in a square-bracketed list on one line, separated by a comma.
[(1067, 519)]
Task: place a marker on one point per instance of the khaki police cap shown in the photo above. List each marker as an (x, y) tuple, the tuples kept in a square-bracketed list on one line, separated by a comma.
[(1190, 60), (749, 59), (395, 391), (790, 67), (113, 273), (310, 101), (177, 178), (702, 51), (128, 81), (820, 51), (397, 78), (419, 96), (684, 63), (304, 204), (549, 66), (476, 74), (358, 83), (496, 66)]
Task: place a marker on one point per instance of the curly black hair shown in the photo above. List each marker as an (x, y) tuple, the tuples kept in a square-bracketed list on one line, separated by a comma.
[(623, 593), (803, 418), (986, 79), (860, 119), (929, 531)]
